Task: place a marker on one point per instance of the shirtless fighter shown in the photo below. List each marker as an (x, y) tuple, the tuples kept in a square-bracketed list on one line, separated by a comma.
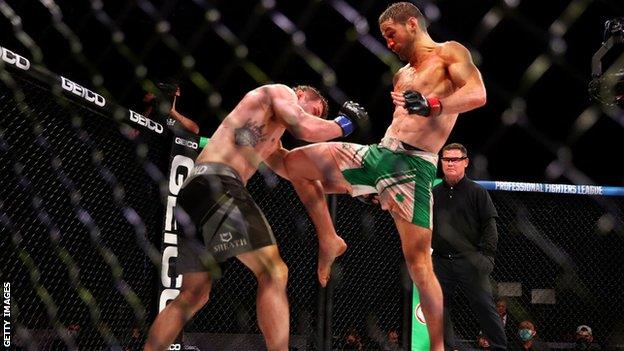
[(439, 82), (219, 218)]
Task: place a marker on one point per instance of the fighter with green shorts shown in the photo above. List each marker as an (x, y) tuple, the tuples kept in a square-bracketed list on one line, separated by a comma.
[(438, 82), (402, 176)]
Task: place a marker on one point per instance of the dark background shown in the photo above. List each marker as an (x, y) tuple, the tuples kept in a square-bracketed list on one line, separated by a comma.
[(538, 125)]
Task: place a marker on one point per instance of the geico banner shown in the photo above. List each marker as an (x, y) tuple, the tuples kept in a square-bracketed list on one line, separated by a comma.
[(146, 122), (183, 153), (14, 59), (83, 92), (188, 143)]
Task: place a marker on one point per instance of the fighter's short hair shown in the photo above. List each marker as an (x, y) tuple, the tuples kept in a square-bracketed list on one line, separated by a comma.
[(315, 93), (400, 12)]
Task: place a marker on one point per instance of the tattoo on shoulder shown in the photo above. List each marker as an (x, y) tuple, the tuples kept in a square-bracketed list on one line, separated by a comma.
[(251, 134)]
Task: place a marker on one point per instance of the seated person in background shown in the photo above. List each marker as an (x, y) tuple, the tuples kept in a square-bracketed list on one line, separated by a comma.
[(527, 338), (509, 324), (352, 340), (585, 339), (482, 342), (392, 341)]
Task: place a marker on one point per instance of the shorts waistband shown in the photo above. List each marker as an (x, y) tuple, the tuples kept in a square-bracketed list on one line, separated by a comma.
[(451, 256), (214, 168), (407, 146), (396, 145)]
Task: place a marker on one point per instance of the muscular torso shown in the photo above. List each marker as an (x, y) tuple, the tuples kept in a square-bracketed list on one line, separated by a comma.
[(245, 137), (431, 78)]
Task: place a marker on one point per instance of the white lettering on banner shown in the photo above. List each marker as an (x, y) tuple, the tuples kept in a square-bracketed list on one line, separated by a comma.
[(83, 92), (550, 188), (146, 122), (590, 189), (574, 189), (170, 223), (168, 253), (14, 59), (514, 186), (187, 143), (181, 167), (166, 296)]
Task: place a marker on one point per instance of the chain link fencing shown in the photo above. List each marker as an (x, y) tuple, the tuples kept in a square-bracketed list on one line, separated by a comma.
[(82, 200), (76, 226), (558, 265)]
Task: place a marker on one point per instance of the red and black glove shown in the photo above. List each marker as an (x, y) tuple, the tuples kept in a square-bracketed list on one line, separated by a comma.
[(416, 103)]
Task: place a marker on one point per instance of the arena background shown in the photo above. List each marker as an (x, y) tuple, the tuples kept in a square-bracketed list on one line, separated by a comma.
[(535, 59), (539, 124)]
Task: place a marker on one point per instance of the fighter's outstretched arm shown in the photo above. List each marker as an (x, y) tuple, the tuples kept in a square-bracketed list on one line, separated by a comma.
[(297, 121)]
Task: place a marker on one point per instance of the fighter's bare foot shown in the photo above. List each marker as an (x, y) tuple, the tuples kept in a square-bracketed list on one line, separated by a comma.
[(328, 251)]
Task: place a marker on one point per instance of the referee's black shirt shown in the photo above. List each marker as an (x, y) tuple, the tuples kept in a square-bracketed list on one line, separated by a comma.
[(463, 219)]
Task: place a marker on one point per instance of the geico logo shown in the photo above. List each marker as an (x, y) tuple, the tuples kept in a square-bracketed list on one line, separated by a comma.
[(144, 121), (187, 143), (14, 59), (175, 347), (82, 92)]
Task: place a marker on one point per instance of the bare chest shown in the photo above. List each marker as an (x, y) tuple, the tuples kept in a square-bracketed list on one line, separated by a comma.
[(429, 78)]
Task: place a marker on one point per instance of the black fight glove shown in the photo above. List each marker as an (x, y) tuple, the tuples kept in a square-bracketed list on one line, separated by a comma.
[(350, 115), (417, 104)]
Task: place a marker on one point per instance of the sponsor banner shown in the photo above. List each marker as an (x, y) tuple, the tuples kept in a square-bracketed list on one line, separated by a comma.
[(193, 144), (76, 91), (554, 188), (82, 92), (13, 59), (183, 154), (420, 334), (139, 119)]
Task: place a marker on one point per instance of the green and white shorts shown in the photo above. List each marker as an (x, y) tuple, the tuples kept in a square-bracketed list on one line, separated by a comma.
[(402, 178)]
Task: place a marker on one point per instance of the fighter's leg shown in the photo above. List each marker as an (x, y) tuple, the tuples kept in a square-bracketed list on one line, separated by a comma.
[(314, 173), (271, 302), (169, 322), (416, 245)]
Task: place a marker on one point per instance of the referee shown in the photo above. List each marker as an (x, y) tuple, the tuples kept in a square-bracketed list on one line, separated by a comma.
[(464, 245)]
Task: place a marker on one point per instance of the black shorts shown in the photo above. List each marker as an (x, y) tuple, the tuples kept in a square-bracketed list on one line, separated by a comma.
[(225, 220)]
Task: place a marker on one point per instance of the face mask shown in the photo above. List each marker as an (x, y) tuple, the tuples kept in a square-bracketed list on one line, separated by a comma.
[(525, 334)]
